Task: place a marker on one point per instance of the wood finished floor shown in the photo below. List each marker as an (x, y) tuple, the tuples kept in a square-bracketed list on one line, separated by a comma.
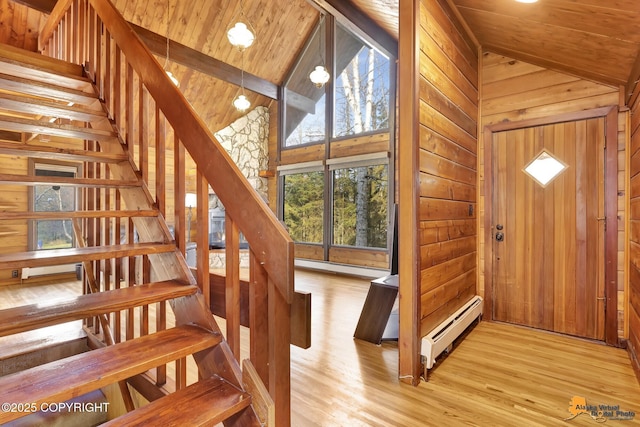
[(499, 375)]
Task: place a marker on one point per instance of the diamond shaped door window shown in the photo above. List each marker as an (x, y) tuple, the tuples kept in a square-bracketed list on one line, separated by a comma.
[(544, 168)]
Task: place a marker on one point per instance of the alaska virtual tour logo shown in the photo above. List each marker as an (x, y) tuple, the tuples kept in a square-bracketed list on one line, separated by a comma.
[(600, 413)]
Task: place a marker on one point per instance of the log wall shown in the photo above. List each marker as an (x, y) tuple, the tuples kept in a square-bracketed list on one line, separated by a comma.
[(448, 112)]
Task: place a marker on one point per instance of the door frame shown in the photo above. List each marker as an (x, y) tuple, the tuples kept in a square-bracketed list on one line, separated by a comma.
[(610, 206)]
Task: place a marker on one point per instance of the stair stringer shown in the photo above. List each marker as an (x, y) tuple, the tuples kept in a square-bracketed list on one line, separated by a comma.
[(218, 360)]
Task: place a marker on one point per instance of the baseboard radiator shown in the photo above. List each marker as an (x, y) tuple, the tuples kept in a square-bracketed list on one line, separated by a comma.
[(440, 338)]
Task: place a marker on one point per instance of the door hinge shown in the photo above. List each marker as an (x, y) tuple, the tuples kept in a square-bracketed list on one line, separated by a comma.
[(604, 299)]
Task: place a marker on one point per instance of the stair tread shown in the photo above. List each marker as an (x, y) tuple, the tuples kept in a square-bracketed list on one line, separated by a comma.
[(64, 131), (34, 316), (44, 258), (207, 402), (63, 379), (48, 108), (20, 62), (49, 152), (45, 90), (68, 181), (5, 214)]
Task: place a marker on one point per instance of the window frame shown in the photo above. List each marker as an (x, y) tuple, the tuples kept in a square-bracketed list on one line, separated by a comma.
[(35, 164), (289, 158)]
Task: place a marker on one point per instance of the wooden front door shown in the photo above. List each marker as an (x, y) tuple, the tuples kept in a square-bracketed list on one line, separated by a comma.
[(548, 240)]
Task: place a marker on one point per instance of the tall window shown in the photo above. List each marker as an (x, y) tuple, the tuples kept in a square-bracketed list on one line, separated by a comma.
[(54, 233), (336, 149), (361, 86), (304, 206), (360, 199), (305, 103)]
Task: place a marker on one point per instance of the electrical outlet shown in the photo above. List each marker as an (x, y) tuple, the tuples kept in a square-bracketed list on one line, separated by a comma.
[(14, 274)]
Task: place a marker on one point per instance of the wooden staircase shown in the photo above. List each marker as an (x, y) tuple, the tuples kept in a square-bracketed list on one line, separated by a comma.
[(53, 98)]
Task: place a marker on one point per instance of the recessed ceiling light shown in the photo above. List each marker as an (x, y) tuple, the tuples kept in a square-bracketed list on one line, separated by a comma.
[(526, 1)]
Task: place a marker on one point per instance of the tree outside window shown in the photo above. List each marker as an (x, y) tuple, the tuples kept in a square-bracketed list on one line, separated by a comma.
[(304, 206), (361, 87), (358, 210), (360, 198)]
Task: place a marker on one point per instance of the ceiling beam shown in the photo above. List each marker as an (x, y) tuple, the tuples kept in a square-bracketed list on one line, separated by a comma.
[(185, 55), (191, 58)]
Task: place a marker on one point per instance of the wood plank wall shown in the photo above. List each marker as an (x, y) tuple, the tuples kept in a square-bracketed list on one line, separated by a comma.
[(634, 241), (514, 90), (448, 92), (20, 25)]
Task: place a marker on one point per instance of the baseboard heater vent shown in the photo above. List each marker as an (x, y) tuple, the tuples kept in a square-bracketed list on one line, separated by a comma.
[(446, 332)]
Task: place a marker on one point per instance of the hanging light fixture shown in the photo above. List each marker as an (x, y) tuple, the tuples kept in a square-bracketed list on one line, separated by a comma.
[(319, 76), (166, 58), (240, 34), (241, 102)]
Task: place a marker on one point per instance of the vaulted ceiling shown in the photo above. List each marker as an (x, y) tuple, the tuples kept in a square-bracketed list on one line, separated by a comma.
[(281, 27), (594, 39)]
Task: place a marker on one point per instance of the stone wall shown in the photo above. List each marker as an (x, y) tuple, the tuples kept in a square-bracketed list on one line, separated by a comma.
[(246, 141)]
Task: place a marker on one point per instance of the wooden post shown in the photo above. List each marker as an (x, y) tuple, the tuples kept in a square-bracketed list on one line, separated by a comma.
[(160, 162), (259, 318), (202, 235), (232, 288), (409, 261), (280, 355), (179, 192)]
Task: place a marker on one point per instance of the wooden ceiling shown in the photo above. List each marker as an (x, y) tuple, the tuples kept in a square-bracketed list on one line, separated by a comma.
[(383, 12), (594, 39), (202, 25), (281, 27)]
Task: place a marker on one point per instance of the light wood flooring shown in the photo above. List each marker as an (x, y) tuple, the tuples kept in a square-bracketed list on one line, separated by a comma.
[(499, 375)]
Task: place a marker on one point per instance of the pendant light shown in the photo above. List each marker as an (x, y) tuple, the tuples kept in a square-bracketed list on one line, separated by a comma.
[(240, 34), (241, 37), (166, 58), (241, 102), (319, 76)]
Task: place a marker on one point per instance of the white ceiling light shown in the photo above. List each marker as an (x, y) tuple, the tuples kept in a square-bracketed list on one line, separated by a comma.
[(174, 80), (240, 34), (526, 1), (319, 76), (241, 103)]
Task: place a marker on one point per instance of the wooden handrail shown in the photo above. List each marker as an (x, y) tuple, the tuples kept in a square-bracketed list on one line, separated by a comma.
[(112, 45), (268, 239)]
